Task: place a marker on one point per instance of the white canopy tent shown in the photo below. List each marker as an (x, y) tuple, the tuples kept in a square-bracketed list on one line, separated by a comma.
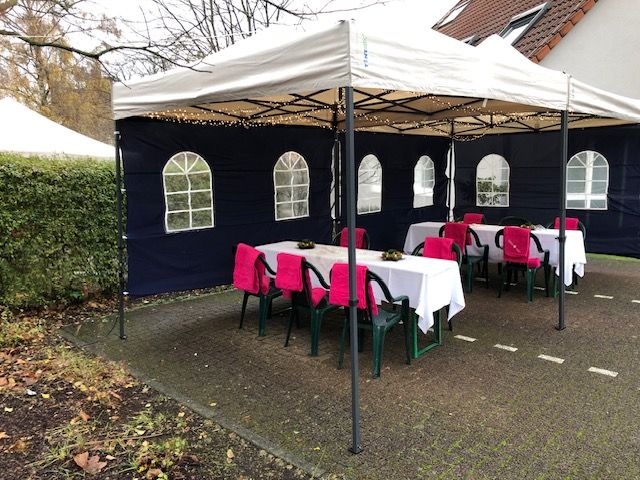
[(349, 76), (414, 82), (28, 132)]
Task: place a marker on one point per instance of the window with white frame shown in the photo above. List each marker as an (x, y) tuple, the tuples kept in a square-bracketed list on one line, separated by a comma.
[(492, 182), (453, 13), (520, 24), (587, 181), (423, 182), (369, 185), (188, 193), (291, 185)]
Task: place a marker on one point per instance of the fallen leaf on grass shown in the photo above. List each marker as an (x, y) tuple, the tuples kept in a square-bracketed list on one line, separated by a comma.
[(84, 416), (8, 409), (91, 465), (181, 414), (115, 395), (3, 435), (19, 447), (153, 473), (45, 395), (230, 455)]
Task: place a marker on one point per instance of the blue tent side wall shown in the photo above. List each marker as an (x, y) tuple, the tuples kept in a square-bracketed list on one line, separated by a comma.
[(242, 161), (398, 155), (242, 164), (534, 160)]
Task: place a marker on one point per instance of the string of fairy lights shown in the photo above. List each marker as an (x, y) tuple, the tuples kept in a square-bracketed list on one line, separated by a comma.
[(469, 123)]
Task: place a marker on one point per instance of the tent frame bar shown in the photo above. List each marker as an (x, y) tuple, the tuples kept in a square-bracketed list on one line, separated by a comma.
[(353, 297), (121, 292), (562, 238)]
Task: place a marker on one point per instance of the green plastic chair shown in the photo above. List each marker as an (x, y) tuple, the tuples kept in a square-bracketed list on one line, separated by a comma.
[(304, 301), (266, 299), (366, 239), (482, 261), (418, 251), (505, 269), (388, 317)]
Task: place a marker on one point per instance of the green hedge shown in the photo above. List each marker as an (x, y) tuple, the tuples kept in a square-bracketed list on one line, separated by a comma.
[(58, 240)]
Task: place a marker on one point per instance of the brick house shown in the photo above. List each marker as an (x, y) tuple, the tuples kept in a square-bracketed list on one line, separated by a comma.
[(595, 41)]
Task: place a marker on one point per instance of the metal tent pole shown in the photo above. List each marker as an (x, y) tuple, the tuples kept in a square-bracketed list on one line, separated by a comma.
[(121, 292), (563, 215), (353, 297)]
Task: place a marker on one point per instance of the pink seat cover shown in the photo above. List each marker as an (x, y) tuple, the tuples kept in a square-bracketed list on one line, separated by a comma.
[(248, 272), (344, 237), (339, 291), (437, 247)]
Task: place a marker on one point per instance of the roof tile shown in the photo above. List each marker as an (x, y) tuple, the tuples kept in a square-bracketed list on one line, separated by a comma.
[(486, 17)]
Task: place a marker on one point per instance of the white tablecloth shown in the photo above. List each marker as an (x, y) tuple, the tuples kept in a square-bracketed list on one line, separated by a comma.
[(575, 256), (429, 283)]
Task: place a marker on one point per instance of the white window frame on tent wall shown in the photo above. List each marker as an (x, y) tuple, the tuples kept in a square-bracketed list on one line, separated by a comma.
[(187, 183), (369, 185), (424, 180), (580, 173), (488, 190), (291, 187)]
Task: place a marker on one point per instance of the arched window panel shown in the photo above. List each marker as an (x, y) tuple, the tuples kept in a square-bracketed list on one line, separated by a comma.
[(369, 185), (188, 193), (492, 182), (423, 182), (291, 186), (587, 181)]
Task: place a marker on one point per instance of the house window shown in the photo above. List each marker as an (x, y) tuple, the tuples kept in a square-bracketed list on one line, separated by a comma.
[(472, 40), (519, 24), (188, 193), (291, 185), (492, 182), (453, 14), (423, 182), (587, 181), (369, 185)]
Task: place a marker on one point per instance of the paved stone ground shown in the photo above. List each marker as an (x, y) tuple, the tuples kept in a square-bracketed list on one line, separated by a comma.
[(464, 410)]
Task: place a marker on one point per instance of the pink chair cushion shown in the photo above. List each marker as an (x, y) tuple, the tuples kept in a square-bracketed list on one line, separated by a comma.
[(289, 273), (317, 294), (248, 272), (517, 242), (457, 232), (339, 291), (437, 247), (469, 218), (533, 263), (571, 223), (344, 237)]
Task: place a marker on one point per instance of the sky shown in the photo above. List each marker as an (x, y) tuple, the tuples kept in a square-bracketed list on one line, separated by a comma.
[(410, 12)]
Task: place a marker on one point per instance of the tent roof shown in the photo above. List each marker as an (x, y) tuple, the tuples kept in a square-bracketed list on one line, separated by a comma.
[(26, 131), (406, 81)]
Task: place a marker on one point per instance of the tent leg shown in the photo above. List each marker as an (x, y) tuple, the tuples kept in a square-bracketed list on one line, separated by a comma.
[(121, 292), (353, 297), (563, 215)]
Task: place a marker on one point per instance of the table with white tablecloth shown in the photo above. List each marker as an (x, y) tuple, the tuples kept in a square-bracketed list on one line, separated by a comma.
[(575, 256), (430, 284)]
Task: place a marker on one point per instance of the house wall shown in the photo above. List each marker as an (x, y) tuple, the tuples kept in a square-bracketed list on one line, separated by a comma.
[(602, 49)]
